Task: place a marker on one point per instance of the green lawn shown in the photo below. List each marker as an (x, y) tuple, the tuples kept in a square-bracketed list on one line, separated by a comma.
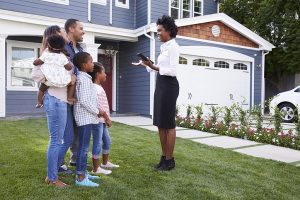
[(202, 172)]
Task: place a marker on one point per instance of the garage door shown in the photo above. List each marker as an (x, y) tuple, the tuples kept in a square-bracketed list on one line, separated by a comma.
[(213, 81)]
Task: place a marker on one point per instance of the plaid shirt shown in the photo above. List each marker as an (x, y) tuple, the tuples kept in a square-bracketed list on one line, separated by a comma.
[(85, 108)]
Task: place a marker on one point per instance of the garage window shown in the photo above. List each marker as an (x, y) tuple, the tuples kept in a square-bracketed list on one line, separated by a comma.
[(182, 60), (222, 64), (201, 62), (240, 66)]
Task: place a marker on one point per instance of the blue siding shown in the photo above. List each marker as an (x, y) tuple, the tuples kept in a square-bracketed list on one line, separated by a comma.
[(77, 8), (248, 52), (18, 102), (159, 8), (133, 85), (141, 13), (122, 17), (210, 7)]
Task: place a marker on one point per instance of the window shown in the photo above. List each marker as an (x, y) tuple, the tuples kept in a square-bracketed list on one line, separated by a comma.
[(20, 56), (222, 64), (65, 2), (122, 3), (100, 2), (201, 62), (182, 61), (186, 8), (175, 9), (297, 90), (197, 8), (240, 66)]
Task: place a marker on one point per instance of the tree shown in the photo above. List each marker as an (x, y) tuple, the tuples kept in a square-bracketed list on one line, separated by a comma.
[(278, 22)]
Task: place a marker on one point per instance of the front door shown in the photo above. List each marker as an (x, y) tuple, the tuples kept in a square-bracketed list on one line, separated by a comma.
[(107, 63)]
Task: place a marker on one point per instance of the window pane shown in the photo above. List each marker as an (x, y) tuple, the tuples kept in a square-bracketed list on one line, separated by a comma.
[(197, 7), (174, 3), (174, 13), (221, 64), (186, 4), (122, 1), (21, 66), (201, 62), (182, 60), (185, 14), (240, 66)]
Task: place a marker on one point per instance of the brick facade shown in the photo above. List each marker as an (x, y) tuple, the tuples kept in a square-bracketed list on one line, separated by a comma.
[(227, 35)]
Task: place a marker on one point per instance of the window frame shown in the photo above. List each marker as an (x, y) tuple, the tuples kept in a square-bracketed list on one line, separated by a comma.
[(121, 5), (19, 44), (180, 8), (99, 2), (201, 60), (64, 2), (239, 65), (183, 58), (219, 61)]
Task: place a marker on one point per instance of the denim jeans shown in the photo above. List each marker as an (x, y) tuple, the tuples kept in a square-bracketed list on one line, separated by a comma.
[(56, 111), (84, 136), (106, 140), (97, 132), (68, 136)]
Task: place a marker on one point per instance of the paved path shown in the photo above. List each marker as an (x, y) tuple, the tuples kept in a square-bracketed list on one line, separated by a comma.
[(238, 145)]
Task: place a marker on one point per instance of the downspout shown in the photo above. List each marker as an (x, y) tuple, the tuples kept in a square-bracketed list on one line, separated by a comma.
[(152, 74), (89, 11), (149, 12), (263, 94), (110, 12)]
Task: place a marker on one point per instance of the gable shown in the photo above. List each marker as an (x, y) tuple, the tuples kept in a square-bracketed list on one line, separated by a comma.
[(226, 35)]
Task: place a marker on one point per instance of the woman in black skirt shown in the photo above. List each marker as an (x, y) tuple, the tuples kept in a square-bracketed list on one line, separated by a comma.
[(166, 91)]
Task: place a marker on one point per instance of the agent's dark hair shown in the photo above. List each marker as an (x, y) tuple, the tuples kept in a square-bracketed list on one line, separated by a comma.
[(70, 23), (80, 58), (169, 25), (98, 68), (56, 43)]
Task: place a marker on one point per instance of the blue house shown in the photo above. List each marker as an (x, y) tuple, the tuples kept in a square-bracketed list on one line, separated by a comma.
[(220, 61)]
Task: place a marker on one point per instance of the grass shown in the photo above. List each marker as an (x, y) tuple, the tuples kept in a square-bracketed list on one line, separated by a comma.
[(202, 172)]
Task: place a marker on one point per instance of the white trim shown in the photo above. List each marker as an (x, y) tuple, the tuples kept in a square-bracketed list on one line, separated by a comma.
[(2, 75), (64, 2), (10, 45), (149, 12), (214, 52), (110, 12), (89, 11), (263, 83), (120, 34), (121, 5), (99, 2), (218, 43), (152, 74), (114, 79), (218, 7)]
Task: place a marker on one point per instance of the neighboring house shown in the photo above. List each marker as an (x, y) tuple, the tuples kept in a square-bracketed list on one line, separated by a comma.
[(220, 59)]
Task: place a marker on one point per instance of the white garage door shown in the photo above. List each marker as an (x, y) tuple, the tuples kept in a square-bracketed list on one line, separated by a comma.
[(212, 81)]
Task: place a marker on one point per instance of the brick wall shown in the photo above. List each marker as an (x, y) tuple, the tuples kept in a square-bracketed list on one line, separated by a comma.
[(227, 35)]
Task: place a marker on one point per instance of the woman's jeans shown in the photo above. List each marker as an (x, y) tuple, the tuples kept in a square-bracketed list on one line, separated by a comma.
[(56, 111), (68, 136)]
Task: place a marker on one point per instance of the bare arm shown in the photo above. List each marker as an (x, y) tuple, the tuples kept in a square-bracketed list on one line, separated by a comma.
[(38, 62)]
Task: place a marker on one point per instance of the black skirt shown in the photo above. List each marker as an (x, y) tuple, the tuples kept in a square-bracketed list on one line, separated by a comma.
[(165, 97)]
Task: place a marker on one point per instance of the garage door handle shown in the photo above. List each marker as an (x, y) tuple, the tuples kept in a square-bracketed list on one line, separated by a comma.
[(246, 72), (211, 69), (211, 104)]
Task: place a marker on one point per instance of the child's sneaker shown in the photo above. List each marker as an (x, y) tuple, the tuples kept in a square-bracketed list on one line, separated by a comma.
[(86, 183), (91, 177), (109, 165), (102, 171)]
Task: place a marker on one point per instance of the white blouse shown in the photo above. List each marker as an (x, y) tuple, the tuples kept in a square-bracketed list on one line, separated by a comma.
[(168, 58)]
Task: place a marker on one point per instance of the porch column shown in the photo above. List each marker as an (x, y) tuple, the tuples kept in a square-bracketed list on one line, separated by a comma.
[(2, 74), (93, 50)]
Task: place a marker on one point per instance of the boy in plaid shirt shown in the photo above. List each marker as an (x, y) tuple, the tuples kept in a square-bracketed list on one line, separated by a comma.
[(86, 115)]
